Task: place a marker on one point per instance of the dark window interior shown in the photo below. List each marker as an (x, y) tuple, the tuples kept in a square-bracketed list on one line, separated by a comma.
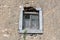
[(27, 16), (30, 20)]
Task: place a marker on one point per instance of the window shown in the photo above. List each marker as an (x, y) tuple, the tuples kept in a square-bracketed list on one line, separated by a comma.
[(31, 20)]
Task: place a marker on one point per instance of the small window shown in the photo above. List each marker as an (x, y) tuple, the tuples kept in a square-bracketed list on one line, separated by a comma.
[(31, 20)]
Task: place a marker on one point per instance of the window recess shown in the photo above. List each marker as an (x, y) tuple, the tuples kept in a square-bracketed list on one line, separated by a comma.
[(31, 20)]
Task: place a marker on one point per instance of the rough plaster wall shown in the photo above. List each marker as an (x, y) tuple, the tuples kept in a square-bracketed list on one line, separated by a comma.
[(9, 16)]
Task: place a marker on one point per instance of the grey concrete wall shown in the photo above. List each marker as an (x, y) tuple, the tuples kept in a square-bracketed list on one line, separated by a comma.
[(9, 16)]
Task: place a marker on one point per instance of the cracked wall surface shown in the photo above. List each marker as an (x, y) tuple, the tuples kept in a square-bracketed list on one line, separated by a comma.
[(9, 18)]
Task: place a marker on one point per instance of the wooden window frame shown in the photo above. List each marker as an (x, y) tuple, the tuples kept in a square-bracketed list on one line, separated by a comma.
[(40, 22)]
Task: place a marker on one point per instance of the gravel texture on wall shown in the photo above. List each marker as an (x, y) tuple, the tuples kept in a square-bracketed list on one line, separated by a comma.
[(9, 18)]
